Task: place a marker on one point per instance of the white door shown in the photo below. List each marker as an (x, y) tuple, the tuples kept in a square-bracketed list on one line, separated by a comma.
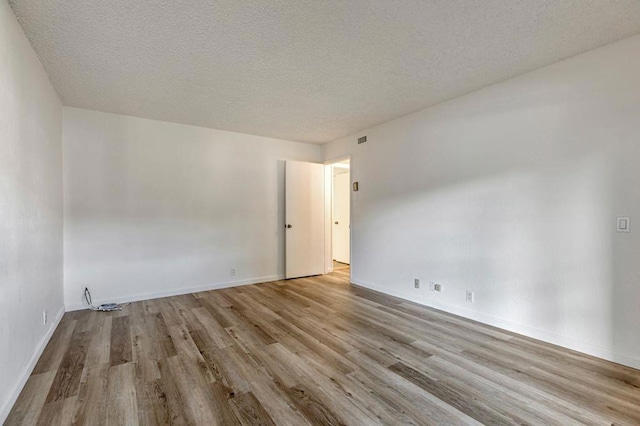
[(341, 233), (304, 219)]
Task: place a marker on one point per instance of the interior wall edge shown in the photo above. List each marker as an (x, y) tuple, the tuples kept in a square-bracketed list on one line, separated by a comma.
[(176, 292), (31, 216)]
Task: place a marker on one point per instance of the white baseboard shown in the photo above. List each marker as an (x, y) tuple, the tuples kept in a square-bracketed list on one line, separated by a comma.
[(535, 333), (175, 292), (26, 372)]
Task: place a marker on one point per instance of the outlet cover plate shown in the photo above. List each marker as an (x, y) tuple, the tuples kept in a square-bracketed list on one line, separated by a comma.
[(623, 224), (470, 296)]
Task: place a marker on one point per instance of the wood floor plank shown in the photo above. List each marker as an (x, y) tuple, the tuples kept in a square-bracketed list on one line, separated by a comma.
[(249, 411), (313, 408), (153, 408), (57, 346), (100, 344), (92, 395), (169, 394), (213, 327), (529, 395), (277, 403), (121, 349), (203, 402), (210, 355), (374, 404), (574, 393), (238, 368), (316, 348), (465, 403), (122, 406), (407, 397), (31, 400), (487, 391), (57, 412), (313, 350), (67, 380), (146, 337)]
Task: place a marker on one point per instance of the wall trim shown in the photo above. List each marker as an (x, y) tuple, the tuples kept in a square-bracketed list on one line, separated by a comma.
[(26, 371), (535, 333), (177, 291)]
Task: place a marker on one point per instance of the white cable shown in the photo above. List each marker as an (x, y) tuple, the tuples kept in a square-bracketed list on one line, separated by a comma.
[(105, 307)]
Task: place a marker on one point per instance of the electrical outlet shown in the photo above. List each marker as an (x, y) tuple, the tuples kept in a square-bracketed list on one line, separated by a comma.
[(416, 283), (623, 224), (44, 317), (435, 286), (233, 272), (470, 296)]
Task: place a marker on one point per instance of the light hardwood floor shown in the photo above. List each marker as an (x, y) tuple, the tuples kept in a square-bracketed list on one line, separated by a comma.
[(312, 351), (339, 266)]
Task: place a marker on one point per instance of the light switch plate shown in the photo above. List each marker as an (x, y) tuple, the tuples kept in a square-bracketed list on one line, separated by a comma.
[(623, 224)]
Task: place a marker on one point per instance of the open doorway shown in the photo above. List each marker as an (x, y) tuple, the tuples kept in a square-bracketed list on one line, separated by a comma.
[(338, 250), (340, 211)]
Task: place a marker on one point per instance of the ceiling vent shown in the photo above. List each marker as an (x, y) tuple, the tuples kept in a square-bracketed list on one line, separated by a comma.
[(362, 139)]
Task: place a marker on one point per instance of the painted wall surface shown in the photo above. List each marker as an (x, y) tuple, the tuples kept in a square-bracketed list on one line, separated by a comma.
[(30, 208), (155, 208), (513, 192)]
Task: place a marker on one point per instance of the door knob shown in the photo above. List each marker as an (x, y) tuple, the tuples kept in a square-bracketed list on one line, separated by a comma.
[(289, 226)]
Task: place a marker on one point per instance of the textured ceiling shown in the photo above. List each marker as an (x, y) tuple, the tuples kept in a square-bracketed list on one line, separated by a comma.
[(309, 70)]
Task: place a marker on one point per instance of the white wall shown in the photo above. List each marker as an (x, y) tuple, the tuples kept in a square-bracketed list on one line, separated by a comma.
[(30, 208), (155, 208), (513, 192)]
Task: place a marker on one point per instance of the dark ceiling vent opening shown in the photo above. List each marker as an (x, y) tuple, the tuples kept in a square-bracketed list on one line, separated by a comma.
[(362, 139)]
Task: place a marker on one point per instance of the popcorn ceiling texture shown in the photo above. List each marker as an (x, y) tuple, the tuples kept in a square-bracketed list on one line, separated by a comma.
[(309, 71)]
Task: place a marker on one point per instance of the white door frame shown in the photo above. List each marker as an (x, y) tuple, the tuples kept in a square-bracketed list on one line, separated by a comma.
[(328, 213)]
